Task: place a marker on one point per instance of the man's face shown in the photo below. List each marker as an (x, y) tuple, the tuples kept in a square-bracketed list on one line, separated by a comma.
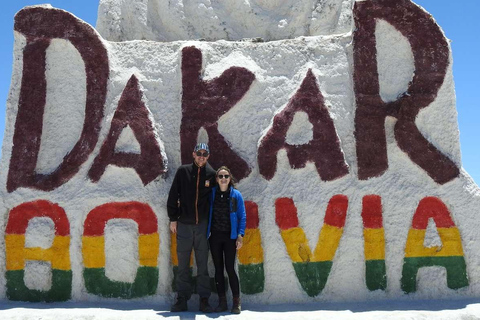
[(201, 157)]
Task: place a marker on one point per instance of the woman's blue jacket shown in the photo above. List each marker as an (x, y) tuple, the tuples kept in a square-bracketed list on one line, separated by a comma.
[(238, 217)]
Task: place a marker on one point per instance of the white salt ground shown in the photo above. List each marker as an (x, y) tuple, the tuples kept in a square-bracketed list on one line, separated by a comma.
[(467, 309)]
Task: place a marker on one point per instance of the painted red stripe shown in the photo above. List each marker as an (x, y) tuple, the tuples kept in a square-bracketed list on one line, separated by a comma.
[(286, 213), (336, 211), (19, 217), (252, 214), (141, 213), (372, 212), (432, 207)]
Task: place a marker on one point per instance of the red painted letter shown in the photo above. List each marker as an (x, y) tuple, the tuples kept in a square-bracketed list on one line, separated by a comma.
[(131, 111), (204, 102), (40, 25), (430, 51), (324, 149)]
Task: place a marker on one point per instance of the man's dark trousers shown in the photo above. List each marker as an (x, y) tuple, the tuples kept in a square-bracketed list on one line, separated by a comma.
[(192, 236)]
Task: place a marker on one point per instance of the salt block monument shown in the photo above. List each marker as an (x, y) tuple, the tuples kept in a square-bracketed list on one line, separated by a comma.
[(337, 118)]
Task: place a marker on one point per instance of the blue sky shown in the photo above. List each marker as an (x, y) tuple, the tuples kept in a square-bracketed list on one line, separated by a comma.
[(461, 24)]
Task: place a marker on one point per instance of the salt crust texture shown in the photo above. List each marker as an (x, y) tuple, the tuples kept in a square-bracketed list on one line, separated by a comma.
[(160, 20), (279, 68)]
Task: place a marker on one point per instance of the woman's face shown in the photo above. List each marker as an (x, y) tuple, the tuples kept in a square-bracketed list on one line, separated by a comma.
[(223, 178)]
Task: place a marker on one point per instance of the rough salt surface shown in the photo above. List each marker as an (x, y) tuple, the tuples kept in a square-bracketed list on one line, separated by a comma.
[(160, 20)]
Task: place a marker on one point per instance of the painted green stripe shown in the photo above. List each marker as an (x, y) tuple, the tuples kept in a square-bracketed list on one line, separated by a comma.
[(252, 278), (313, 275), (61, 289), (145, 283), (455, 266), (376, 274)]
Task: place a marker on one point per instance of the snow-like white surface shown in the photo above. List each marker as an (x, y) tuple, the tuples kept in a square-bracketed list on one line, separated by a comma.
[(279, 68), (65, 92), (385, 310), (160, 20)]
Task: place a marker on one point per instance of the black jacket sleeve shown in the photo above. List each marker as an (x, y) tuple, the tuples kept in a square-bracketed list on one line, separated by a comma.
[(174, 198)]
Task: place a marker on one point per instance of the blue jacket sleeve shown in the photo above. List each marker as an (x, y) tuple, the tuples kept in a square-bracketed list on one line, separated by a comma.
[(241, 215)]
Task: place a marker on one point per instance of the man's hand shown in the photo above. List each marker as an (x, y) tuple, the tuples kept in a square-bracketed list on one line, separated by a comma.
[(173, 226)]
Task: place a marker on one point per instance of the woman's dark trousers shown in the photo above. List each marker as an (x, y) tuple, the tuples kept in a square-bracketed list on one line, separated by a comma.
[(224, 251)]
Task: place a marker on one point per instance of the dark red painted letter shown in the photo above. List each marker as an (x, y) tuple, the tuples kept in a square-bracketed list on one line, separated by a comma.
[(431, 53), (204, 102), (131, 111), (39, 25), (324, 149)]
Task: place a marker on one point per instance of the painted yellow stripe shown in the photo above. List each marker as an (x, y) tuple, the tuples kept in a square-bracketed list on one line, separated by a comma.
[(173, 251), (14, 250), (16, 253), (451, 244), (327, 244), (374, 244), (61, 253), (297, 245), (251, 251), (148, 248), (93, 251)]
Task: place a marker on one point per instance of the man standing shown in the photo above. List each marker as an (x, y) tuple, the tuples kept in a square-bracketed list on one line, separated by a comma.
[(187, 208)]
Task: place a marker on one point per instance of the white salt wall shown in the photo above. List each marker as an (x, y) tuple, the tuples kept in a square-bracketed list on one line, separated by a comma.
[(395, 61), (279, 68), (160, 20), (63, 119)]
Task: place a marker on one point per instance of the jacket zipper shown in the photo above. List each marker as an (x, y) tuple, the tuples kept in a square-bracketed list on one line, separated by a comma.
[(196, 197)]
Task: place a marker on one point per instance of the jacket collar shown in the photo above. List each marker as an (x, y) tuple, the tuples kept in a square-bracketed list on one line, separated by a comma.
[(197, 166)]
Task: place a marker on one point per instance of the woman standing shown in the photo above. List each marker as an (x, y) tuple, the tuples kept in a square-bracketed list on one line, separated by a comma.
[(226, 229)]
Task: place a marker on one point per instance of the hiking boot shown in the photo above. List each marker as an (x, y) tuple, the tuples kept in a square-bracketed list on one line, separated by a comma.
[(237, 307), (222, 304), (205, 306), (180, 305)]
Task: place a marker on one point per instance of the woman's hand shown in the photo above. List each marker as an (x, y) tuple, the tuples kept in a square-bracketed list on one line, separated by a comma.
[(239, 242)]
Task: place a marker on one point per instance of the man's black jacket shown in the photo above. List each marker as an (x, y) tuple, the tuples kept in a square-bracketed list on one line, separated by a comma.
[(189, 192)]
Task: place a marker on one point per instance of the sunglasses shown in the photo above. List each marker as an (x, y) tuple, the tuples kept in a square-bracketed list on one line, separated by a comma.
[(221, 176), (202, 154)]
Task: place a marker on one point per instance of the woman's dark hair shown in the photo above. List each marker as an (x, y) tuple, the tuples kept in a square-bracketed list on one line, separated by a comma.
[(232, 179)]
